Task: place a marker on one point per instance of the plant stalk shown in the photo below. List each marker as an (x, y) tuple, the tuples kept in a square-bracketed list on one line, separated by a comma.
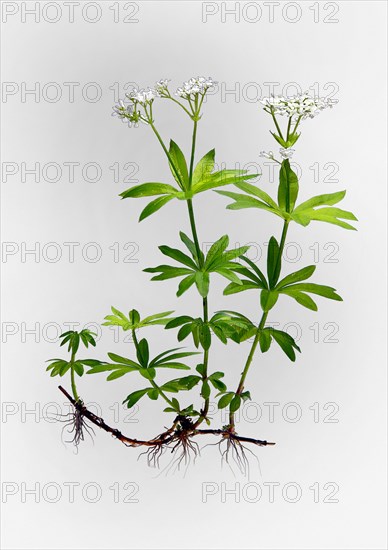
[(261, 326)]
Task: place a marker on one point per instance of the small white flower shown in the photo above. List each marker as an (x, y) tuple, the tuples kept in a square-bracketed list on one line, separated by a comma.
[(302, 105), (144, 96), (122, 111), (194, 86), (286, 153), (266, 155), (161, 87)]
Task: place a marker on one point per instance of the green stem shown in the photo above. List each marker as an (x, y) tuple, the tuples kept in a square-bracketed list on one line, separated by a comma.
[(192, 152), (180, 105), (194, 231), (153, 384), (288, 127), (205, 306), (72, 377), (170, 160), (258, 331), (277, 125), (296, 125)]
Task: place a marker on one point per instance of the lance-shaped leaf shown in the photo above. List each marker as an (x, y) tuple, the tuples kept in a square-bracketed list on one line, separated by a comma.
[(300, 275), (167, 272), (154, 206), (204, 168), (179, 170), (268, 299), (288, 187), (134, 397), (245, 201), (255, 279), (284, 340), (274, 262), (190, 245), (178, 256), (309, 211), (300, 291), (220, 179), (251, 189), (149, 190)]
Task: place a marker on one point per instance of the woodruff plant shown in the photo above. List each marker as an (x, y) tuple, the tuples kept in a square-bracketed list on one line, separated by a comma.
[(195, 269)]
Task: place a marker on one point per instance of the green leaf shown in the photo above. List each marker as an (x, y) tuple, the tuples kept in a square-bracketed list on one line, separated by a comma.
[(78, 367), (300, 275), (329, 215), (178, 321), (185, 284), (148, 373), (74, 342), (123, 360), (216, 250), (167, 272), (202, 281), (180, 164), (204, 167), (205, 336), (274, 263), (288, 187), (235, 404), (184, 332), (134, 397), (253, 190), (185, 383), (90, 362), (268, 299), (329, 199), (178, 256), (168, 358), (225, 400), (255, 268), (153, 393), (302, 298), (265, 340), (230, 275), (110, 367), (154, 206), (243, 201), (157, 318), (233, 288), (320, 290), (205, 390), (143, 353), (222, 178), (191, 247), (116, 374), (64, 368), (164, 353), (149, 190), (286, 342), (218, 384)]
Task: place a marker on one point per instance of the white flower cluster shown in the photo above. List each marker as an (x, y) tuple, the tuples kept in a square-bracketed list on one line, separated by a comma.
[(194, 86), (123, 112), (301, 105), (161, 87), (286, 153), (144, 96), (266, 155)]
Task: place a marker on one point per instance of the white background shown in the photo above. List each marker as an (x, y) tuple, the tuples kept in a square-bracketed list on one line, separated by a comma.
[(342, 53)]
